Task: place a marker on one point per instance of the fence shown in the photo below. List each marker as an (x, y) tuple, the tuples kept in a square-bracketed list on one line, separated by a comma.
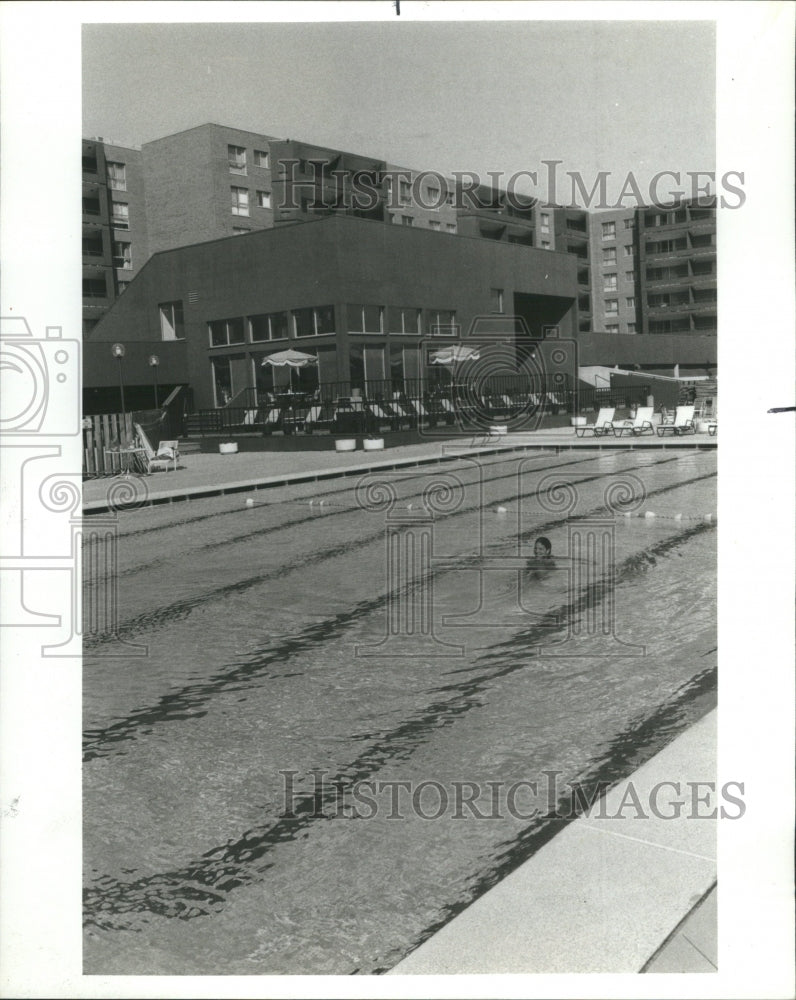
[(374, 406), (107, 432)]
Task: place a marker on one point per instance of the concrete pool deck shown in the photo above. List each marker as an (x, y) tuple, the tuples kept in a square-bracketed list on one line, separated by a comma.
[(611, 893), (204, 474)]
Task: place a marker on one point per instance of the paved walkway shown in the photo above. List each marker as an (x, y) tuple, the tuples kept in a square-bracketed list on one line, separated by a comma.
[(209, 474)]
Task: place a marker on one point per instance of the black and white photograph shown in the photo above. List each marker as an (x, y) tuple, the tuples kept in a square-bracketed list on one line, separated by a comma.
[(397, 452)]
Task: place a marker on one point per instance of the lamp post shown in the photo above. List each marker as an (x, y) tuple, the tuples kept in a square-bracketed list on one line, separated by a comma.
[(118, 353), (154, 361)]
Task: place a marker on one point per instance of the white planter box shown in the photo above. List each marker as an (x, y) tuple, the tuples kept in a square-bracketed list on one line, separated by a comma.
[(228, 447), (373, 444), (345, 444)]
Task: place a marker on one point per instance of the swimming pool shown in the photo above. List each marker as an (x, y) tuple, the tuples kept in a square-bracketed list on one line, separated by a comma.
[(227, 773)]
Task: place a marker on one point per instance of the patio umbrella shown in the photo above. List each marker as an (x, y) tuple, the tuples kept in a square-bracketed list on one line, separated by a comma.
[(290, 359), (454, 355)]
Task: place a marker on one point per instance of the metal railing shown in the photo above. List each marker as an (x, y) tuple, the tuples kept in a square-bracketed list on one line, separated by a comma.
[(393, 405)]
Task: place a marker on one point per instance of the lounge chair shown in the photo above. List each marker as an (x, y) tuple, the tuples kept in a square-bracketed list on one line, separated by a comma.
[(603, 423), (681, 423), (641, 425), (273, 420), (168, 452)]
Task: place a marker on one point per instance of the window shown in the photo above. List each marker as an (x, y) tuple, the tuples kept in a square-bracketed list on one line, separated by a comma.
[(123, 255), (263, 199), (226, 331), (365, 319), (240, 230), (609, 230), (237, 159), (450, 198), (404, 319), (404, 191), (496, 297), (442, 322), (433, 224), (706, 240), (628, 251), (92, 245), (407, 220), (630, 275), (313, 321), (667, 246), (667, 273), (172, 324), (120, 216), (117, 176), (609, 283), (222, 380), (262, 158), (545, 244), (612, 328), (631, 327), (240, 201), (432, 197), (544, 219), (701, 268), (268, 326), (611, 306), (450, 227), (94, 288), (630, 223), (631, 301), (609, 255), (91, 206)]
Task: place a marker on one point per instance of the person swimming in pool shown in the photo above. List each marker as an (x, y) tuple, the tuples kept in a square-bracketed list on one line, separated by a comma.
[(542, 562)]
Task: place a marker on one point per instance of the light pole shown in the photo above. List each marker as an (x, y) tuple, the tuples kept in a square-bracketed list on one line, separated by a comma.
[(154, 361), (118, 353)]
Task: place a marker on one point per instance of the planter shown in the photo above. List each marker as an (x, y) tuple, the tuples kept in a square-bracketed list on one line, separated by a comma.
[(228, 447), (373, 444), (345, 444), (703, 426), (577, 421)]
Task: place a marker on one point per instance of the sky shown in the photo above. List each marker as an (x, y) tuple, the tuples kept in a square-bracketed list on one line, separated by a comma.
[(480, 96)]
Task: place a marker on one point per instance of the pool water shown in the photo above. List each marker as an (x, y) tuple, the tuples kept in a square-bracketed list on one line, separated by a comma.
[(297, 662)]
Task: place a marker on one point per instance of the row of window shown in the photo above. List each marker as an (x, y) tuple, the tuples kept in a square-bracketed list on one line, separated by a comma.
[(609, 253), (236, 156), (609, 228), (240, 200), (614, 328), (317, 321), (697, 241), (612, 305), (610, 280), (696, 268), (435, 224)]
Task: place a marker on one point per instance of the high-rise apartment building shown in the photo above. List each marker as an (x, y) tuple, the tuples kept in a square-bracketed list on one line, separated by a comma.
[(677, 267), (614, 253)]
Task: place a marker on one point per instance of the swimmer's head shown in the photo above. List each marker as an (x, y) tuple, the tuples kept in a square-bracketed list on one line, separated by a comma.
[(542, 547)]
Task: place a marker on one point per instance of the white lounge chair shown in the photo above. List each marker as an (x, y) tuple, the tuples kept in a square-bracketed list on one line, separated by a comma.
[(681, 423), (642, 424), (602, 425), (168, 452)]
